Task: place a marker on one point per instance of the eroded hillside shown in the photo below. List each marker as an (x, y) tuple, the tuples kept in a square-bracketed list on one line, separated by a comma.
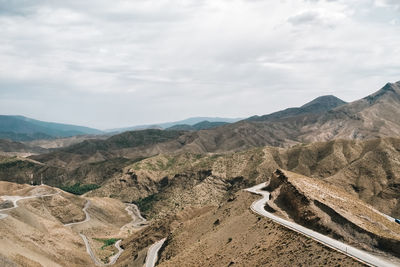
[(366, 169), (43, 226), (229, 235), (332, 211)]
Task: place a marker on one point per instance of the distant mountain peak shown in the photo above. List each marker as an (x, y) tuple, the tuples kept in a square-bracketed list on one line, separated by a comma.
[(318, 105), (329, 100), (390, 90)]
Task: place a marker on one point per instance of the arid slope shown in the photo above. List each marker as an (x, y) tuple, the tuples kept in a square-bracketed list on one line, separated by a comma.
[(231, 235), (35, 234)]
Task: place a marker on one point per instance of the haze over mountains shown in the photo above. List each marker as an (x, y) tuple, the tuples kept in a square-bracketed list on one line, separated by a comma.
[(191, 177), (324, 115), (322, 119), (206, 133), (373, 116), (20, 128), (185, 123)]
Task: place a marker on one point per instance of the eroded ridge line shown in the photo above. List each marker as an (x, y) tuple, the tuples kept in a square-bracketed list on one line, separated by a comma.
[(360, 255)]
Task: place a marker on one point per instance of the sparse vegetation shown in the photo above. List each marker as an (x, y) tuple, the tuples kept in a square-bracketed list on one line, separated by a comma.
[(107, 242), (79, 189), (145, 204)]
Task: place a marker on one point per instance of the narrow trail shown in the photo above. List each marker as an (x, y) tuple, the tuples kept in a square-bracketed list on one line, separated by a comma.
[(360, 255), (15, 199), (89, 250), (113, 258), (137, 221), (87, 216)]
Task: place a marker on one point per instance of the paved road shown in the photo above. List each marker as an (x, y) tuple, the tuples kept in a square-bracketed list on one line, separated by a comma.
[(137, 221), (15, 199), (114, 258), (90, 251), (363, 256), (152, 253), (87, 218)]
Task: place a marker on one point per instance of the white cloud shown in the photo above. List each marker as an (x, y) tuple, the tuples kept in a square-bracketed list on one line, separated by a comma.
[(388, 3), (130, 62)]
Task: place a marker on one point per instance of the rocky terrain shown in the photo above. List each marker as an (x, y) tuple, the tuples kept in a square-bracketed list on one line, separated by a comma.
[(230, 235), (323, 119), (36, 233), (11, 148), (332, 211), (50, 144), (366, 169), (339, 174), (131, 145), (371, 117), (39, 235)]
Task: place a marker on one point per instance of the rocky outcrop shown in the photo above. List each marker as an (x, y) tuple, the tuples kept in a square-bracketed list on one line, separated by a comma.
[(322, 216)]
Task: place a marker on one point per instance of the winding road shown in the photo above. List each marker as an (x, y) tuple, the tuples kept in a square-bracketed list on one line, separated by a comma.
[(152, 253), (362, 256), (137, 221), (15, 199), (87, 216), (89, 250)]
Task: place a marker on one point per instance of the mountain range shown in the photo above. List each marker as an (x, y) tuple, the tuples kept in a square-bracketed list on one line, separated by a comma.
[(376, 115), (182, 123), (323, 119), (330, 166), (20, 128)]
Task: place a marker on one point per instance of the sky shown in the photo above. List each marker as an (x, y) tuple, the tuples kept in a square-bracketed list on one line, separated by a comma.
[(108, 64)]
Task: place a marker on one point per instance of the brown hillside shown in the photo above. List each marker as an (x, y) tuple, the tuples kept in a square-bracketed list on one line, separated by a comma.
[(377, 115), (230, 235), (374, 116), (34, 234), (332, 211), (367, 169)]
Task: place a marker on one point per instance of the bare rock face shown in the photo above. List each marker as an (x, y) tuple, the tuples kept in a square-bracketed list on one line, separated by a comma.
[(333, 212), (6, 204), (376, 115), (276, 180)]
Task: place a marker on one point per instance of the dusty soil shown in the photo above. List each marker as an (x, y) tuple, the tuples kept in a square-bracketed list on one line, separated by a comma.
[(366, 169), (34, 233), (231, 235), (332, 211)]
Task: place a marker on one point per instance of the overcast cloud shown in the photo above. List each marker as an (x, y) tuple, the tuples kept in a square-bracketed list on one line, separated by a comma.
[(117, 63)]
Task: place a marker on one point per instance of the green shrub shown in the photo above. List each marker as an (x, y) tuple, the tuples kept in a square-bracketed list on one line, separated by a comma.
[(79, 189), (107, 242), (146, 204)]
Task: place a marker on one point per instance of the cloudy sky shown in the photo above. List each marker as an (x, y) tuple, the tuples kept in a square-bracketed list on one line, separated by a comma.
[(119, 63)]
